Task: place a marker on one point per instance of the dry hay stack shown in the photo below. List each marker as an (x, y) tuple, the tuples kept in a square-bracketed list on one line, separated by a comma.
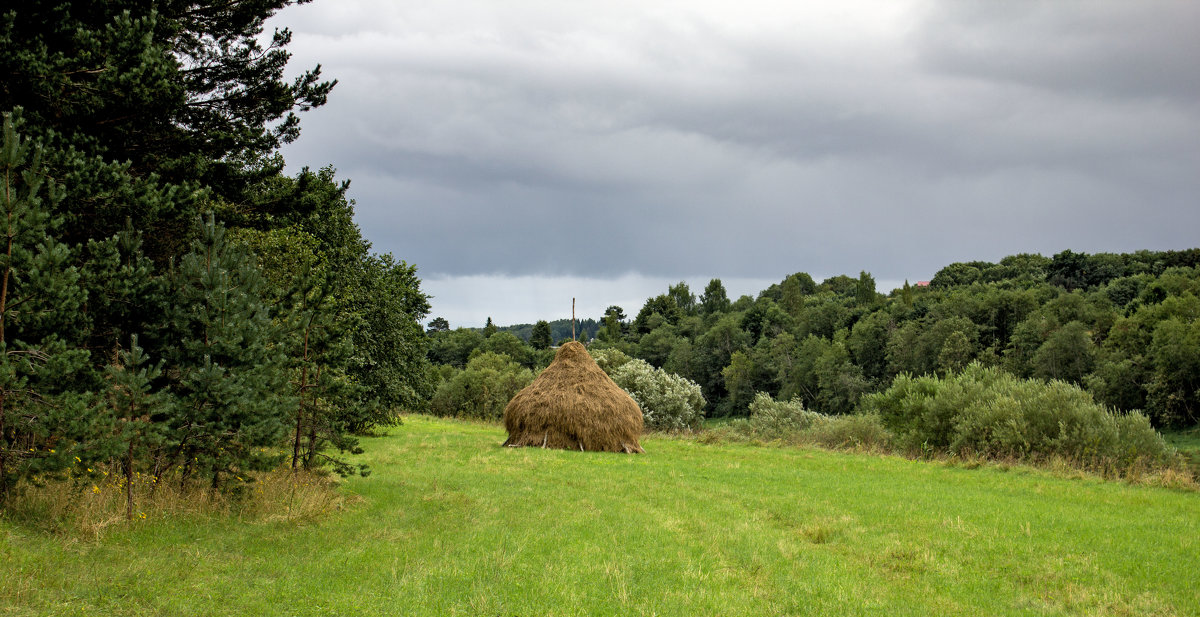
[(573, 405)]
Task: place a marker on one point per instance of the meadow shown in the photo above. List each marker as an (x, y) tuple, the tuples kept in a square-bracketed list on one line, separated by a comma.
[(450, 523)]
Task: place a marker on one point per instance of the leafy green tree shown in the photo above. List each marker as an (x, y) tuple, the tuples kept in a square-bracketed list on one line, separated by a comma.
[(715, 349), (656, 346), (1068, 354), (540, 338), (454, 348), (1174, 392), (840, 285), (957, 274), (714, 299), (868, 344), (765, 319), (793, 290), (739, 383), (956, 353), (489, 328), (664, 307), (483, 389), (684, 299), (439, 324), (864, 291), (839, 382), (511, 346), (390, 348)]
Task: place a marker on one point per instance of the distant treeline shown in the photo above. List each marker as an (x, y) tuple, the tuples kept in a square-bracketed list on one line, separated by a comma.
[(560, 330), (1125, 327)]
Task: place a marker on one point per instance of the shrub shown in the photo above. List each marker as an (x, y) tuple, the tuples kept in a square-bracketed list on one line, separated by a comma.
[(669, 402), (851, 431), (482, 389), (609, 359), (988, 412), (777, 419), (789, 422)]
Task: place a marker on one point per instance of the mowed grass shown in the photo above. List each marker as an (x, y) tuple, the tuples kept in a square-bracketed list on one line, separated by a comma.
[(450, 523)]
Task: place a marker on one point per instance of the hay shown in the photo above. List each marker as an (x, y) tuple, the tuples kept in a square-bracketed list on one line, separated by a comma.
[(573, 405)]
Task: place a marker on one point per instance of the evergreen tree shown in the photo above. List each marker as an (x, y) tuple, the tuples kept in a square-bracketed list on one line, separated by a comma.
[(132, 411), (540, 338), (228, 375), (41, 309), (185, 90)]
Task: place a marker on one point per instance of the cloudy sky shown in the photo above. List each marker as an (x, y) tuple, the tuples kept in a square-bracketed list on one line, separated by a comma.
[(524, 152)]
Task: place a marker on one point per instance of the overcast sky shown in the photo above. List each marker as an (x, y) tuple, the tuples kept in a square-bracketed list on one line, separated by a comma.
[(523, 152)]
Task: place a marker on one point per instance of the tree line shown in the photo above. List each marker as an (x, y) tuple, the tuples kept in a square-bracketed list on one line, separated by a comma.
[(1124, 327), (172, 304)]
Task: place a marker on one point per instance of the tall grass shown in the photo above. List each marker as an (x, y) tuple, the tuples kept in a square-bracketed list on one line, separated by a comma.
[(88, 502)]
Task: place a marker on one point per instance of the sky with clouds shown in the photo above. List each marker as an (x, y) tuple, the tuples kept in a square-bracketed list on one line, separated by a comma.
[(524, 152)]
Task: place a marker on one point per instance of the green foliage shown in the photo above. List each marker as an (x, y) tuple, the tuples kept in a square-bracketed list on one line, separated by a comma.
[(669, 402), (540, 338), (454, 347), (128, 432), (508, 345), (187, 91), (714, 299), (987, 412), (609, 360), (482, 389), (41, 305), (776, 419), (227, 373)]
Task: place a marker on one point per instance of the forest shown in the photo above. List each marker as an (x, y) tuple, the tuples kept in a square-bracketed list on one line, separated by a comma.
[(173, 306)]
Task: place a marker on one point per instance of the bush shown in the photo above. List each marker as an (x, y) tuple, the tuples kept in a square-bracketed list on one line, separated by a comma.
[(852, 431), (609, 359), (988, 412), (482, 389), (790, 423), (669, 402), (776, 419)]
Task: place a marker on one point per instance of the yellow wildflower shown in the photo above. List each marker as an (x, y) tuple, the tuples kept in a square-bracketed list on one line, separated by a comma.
[(95, 489)]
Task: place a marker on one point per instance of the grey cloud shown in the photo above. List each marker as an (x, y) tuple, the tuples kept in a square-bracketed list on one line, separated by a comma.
[(598, 142)]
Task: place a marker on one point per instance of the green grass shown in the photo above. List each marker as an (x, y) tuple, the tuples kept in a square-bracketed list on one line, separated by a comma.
[(452, 524)]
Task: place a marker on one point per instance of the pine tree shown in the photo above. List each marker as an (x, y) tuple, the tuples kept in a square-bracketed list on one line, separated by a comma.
[(540, 337), (40, 308), (229, 378), (133, 410)]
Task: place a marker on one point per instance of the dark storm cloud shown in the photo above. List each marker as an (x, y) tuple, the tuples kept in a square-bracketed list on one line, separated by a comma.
[(690, 139)]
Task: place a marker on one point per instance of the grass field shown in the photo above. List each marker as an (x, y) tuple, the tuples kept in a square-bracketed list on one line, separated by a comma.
[(450, 523)]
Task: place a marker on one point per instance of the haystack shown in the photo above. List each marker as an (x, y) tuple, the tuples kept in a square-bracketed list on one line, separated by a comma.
[(573, 405)]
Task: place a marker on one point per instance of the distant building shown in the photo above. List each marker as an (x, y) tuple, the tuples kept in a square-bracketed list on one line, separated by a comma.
[(922, 283)]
